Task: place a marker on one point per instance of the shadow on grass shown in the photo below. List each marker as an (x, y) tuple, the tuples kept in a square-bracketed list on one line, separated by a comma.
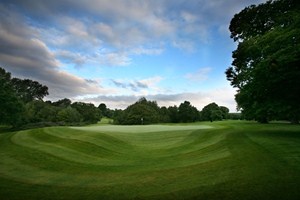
[(6, 129)]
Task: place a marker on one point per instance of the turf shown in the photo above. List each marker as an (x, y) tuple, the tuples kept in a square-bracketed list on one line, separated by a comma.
[(223, 160)]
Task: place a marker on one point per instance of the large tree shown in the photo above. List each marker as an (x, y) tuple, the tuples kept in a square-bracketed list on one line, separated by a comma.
[(266, 63), (187, 112), (141, 112), (11, 108), (212, 112), (88, 111), (173, 113), (28, 90)]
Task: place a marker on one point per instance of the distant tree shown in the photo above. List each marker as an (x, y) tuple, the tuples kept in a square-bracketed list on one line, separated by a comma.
[(173, 114), (32, 111), (235, 116), (225, 112), (102, 107), (211, 112), (141, 112), (21, 103), (105, 112), (89, 113), (216, 115), (28, 90), (164, 115), (48, 113), (63, 103), (118, 116), (187, 112), (69, 115), (109, 113), (266, 63)]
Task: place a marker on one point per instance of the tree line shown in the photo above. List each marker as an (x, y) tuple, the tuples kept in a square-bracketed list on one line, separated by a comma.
[(265, 70), (148, 112), (22, 104)]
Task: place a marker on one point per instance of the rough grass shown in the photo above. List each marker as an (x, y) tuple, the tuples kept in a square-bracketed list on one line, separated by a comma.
[(224, 160)]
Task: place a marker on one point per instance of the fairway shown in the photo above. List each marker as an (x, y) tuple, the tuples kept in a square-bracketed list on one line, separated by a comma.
[(220, 160)]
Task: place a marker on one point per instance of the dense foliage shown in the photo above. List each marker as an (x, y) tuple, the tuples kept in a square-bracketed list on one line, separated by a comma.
[(148, 112), (212, 112), (10, 105), (21, 104), (266, 65), (141, 112), (62, 112)]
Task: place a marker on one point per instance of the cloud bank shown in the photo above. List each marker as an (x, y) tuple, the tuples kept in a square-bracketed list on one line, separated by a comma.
[(41, 40)]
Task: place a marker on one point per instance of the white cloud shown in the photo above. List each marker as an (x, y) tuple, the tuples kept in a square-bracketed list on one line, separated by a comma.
[(26, 56), (71, 57), (138, 87), (200, 75), (186, 45), (146, 51), (38, 40), (108, 58), (128, 23), (189, 17), (221, 96)]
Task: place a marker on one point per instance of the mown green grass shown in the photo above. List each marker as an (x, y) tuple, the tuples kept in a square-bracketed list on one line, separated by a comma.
[(223, 160)]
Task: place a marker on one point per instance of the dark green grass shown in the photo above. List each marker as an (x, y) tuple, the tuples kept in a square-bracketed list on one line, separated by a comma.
[(230, 160)]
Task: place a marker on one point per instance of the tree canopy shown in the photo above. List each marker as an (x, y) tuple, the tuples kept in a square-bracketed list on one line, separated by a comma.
[(148, 112), (10, 106), (28, 90), (213, 112), (141, 112), (22, 105), (187, 112), (266, 63)]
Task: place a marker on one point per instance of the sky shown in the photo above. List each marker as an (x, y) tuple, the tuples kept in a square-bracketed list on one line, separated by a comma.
[(117, 51)]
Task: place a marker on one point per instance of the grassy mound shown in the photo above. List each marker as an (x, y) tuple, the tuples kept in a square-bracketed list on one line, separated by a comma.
[(224, 160)]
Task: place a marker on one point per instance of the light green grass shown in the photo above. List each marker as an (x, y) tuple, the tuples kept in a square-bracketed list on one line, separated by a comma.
[(223, 160), (142, 128)]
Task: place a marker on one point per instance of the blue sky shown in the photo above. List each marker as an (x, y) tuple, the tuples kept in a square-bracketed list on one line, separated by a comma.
[(117, 51)]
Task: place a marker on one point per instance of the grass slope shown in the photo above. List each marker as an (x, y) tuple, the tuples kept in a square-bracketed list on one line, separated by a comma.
[(224, 160)]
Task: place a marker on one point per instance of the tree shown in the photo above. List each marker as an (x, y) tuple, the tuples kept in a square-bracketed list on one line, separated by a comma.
[(39, 111), (235, 116), (48, 113), (89, 113), (187, 112), (32, 111), (266, 63), (69, 115), (173, 113), (225, 112), (63, 103), (105, 112), (141, 112), (11, 108), (164, 115), (211, 112), (102, 107), (28, 90)]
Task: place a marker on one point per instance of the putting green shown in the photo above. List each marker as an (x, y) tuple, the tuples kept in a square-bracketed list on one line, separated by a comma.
[(142, 128), (149, 162)]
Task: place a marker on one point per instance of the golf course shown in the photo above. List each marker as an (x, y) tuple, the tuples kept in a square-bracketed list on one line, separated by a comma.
[(219, 160)]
